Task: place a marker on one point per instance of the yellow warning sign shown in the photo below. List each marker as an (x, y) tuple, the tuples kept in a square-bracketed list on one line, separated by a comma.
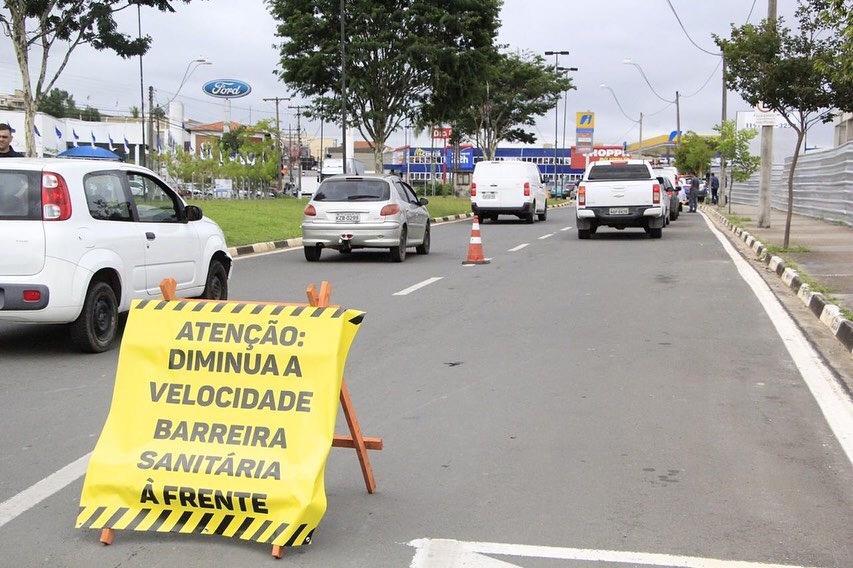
[(221, 421)]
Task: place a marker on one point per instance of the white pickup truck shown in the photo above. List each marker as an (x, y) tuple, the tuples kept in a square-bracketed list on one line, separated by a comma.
[(620, 194)]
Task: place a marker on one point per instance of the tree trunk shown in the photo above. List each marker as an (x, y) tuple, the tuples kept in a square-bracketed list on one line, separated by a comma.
[(377, 157), (800, 135), (19, 41)]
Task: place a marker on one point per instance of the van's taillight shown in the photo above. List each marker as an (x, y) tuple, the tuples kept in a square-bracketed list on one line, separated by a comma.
[(581, 195), (527, 189), (473, 189), (656, 193), (391, 209), (55, 200), (310, 211), (31, 295)]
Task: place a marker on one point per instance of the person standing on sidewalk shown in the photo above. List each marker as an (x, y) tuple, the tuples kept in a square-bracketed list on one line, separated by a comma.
[(693, 194), (715, 187), (6, 150)]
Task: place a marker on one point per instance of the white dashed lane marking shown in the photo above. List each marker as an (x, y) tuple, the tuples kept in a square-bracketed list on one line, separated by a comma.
[(565, 228), (546, 236), (519, 247), (418, 286)]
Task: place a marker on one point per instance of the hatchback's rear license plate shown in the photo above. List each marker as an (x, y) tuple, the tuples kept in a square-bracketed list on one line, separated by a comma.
[(489, 195), (346, 218), (618, 210)]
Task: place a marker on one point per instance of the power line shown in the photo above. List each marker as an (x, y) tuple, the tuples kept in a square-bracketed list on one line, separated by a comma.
[(705, 84), (687, 35)]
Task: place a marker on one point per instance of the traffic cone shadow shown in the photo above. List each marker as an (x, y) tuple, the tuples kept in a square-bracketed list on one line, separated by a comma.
[(475, 246)]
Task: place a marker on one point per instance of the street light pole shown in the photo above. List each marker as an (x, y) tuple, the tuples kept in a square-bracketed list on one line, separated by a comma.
[(766, 151), (556, 55), (343, 88)]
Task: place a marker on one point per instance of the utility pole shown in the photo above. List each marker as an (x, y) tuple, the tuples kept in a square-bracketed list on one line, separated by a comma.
[(343, 88), (289, 153), (678, 118), (299, 143), (640, 145), (556, 55), (322, 155), (151, 145), (766, 151), (725, 198), (277, 100)]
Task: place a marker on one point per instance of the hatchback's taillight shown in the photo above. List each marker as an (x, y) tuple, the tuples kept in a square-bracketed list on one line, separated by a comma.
[(656, 193), (473, 189), (31, 295), (390, 209), (55, 200), (581, 195), (526, 189), (310, 211)]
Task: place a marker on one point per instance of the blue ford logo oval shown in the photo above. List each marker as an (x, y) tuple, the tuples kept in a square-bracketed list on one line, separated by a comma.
[(227, 88)]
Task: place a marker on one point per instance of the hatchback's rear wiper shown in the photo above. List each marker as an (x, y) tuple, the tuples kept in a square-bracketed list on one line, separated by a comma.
[(356, 197)]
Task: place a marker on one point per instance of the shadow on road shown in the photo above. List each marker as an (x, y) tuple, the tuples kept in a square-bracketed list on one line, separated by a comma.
[(38, 339)]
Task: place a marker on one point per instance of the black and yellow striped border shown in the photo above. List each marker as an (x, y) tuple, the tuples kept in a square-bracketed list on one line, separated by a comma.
[(195, 522), (253, 308)]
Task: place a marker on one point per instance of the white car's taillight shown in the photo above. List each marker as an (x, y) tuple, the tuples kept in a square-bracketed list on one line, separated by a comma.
[(55, 200)]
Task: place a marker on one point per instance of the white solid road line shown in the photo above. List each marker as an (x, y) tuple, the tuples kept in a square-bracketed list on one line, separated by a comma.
[(35, 494), (833, 401), (565, 228), (546, 236), (440, 553), (519, 247), (418, 286)]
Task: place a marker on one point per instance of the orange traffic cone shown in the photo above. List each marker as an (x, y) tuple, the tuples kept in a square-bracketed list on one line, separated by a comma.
[(475, 246)]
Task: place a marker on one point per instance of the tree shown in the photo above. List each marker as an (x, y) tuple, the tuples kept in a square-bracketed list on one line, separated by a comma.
[(58, 103), (517, 89), (38, 26), (733, 147), (158, 113), (134, 111), (91, 114), (790, 71), (393, 49), (694, 153)]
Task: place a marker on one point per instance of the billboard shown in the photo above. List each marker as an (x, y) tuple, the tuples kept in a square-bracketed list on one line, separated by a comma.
[(584, 128)]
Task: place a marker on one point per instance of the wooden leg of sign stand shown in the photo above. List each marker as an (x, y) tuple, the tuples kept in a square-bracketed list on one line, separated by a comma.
[(107, 536), (355, 440)]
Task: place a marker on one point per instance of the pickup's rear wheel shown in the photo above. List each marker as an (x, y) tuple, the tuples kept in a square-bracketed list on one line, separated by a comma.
[(655, 232), (584, 233), (95, 329)]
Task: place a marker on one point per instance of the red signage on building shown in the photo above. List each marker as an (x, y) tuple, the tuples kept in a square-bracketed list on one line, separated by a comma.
[(580, 161)]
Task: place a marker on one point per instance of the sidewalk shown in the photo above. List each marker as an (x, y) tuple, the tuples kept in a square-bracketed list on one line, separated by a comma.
[(826, 249)]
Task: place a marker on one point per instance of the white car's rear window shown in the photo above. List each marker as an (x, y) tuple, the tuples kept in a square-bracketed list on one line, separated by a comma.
[(619, 171), (352, 189), (20, 195)]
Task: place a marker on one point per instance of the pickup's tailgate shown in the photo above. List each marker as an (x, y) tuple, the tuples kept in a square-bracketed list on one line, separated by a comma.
[(618, 193)]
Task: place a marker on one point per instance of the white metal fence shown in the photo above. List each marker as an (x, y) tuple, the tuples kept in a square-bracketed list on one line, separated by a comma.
[(823, 185)]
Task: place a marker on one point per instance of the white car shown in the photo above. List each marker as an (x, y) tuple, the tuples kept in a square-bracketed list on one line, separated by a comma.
[(508, 188), (82, 238)]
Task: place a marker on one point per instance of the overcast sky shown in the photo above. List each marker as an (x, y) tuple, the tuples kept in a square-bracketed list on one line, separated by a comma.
[(238, 38)]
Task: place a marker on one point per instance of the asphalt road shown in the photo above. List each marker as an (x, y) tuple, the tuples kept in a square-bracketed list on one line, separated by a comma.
[(613, 394)]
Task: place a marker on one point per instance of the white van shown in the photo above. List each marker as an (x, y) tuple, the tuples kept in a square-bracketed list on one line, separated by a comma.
[(335, 167), (508, 188)]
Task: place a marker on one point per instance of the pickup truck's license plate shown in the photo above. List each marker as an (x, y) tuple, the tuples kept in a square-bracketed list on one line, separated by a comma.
[(346, 218), (618, 210), (489, 195)]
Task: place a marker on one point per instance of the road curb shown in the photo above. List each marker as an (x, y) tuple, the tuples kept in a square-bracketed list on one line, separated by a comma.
[(296, 242), (828, 313)]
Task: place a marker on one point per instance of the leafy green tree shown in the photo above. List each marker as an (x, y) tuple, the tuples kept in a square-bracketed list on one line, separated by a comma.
[(91, 114), (517, 89), (36, 27), (694, 154), (158, 113), (394, 49), (836, 16), (58, 103), (790, 71), (134, 111), (733, 147)]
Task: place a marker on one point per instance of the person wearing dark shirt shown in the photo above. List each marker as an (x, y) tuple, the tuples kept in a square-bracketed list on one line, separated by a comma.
[(6, 150), (715, 187)]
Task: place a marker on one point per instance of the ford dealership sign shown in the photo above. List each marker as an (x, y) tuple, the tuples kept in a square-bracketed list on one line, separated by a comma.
[(227, 88)]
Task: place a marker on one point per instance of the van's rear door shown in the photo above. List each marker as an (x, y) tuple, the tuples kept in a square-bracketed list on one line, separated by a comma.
[(501, 184), (22, 247)]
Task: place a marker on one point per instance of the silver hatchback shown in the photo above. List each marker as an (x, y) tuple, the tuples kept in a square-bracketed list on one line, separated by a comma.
[(372, 211)]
